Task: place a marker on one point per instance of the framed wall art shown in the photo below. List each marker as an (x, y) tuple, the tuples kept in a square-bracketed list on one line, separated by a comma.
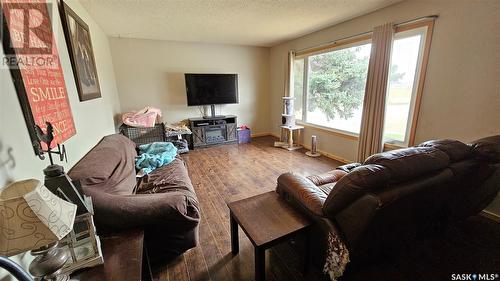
[(81, 53), (32, 57)]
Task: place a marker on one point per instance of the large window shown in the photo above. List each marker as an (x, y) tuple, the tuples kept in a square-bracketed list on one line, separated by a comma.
[(406, 59), (329, 85)]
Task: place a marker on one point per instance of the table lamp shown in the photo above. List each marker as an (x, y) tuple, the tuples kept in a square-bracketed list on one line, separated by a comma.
[(33, 218)]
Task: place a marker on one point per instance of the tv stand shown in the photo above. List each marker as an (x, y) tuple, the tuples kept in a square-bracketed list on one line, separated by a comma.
[(213, 130), (212, 113)]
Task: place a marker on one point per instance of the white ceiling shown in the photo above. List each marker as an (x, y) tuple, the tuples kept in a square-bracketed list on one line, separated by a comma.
[(240, 22)]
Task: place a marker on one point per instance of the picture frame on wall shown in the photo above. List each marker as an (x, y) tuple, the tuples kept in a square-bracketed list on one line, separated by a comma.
[(81, 53)]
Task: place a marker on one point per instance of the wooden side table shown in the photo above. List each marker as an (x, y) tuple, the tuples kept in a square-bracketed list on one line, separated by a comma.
[(290, 144), (124, 259), (267, 220)]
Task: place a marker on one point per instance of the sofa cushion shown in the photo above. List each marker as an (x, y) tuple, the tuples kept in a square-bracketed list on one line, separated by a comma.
[(407, 163), (109, 166), (456, 150), (173, 176), (352, 186), (487, 148)]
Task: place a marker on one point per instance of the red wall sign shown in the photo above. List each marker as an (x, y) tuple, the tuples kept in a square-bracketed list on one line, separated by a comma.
[(32, 57)]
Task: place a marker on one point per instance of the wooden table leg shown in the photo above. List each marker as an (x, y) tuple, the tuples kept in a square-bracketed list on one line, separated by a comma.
[(307, 254), (290, 138), (235, 245), (260, 264)]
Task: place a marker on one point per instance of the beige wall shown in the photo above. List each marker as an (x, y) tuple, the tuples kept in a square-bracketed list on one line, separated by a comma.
[(93, 119), (461, 97), (151, 72)]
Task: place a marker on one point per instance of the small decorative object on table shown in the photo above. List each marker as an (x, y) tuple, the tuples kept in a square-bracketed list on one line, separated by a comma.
[(313, 152), (56, 179), (83, 245)]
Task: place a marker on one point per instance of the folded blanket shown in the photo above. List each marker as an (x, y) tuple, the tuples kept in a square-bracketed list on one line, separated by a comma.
[(154, 155), (146, 117)]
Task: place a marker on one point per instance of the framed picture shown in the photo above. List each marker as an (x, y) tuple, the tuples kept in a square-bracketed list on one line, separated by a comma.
[(36, 70), (81, 53)]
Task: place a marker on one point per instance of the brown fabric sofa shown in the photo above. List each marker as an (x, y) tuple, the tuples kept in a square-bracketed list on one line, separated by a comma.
[(395, 197), (164, 204)]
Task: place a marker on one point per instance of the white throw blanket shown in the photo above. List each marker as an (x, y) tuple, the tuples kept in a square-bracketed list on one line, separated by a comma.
[(337, 257)]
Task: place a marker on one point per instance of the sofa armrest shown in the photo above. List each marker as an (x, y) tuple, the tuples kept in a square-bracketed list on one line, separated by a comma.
[(302, 191), (328, 177), (175, 210), (348, 167)]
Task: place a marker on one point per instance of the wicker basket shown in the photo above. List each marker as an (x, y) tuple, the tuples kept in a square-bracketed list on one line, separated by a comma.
[(144, 135)]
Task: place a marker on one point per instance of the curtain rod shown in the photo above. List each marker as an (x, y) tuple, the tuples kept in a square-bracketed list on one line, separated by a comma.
[(367, 32)]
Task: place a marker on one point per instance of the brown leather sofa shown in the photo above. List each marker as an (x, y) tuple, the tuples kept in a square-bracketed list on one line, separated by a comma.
[(164, 204), (394, 197)]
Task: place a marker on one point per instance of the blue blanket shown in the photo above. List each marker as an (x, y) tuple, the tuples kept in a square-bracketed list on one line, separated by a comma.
[(154, 155)]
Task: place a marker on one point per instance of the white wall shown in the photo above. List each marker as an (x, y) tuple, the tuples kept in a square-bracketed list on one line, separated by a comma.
[(93, 119), (461, 97), (151, 72)]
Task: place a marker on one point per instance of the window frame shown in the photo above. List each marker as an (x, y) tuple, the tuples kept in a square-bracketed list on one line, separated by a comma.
[(359, 40), (336, 46), (416, 78)]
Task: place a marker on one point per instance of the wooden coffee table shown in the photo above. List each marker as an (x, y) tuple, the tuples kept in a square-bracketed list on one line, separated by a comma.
[(267, 220)]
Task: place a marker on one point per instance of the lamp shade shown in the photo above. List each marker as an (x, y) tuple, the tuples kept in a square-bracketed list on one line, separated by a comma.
[(31, 217)]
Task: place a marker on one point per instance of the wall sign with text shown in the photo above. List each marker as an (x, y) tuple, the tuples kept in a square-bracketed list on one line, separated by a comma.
[(33, 59)]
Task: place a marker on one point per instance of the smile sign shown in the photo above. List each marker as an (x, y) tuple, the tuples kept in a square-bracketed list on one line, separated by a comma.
[(32, 57)]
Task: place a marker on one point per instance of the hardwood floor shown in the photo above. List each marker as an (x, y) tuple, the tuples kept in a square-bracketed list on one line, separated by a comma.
[(223, 174)]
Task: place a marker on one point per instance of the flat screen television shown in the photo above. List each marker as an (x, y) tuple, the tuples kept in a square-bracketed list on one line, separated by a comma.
[(209, 89)]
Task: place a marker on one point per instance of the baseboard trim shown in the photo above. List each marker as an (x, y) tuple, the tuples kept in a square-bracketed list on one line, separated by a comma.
[(490, 215), (326, 154), (329, 155), (264, 134), (275, 135)]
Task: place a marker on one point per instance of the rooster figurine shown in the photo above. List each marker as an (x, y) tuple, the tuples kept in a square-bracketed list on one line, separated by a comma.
[(47, 138)]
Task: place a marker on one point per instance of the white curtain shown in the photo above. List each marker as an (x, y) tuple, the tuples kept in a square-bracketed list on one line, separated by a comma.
[(372, 121)]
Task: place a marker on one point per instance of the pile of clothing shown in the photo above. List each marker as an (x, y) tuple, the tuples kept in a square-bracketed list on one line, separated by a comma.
[(154, 155), (176, 130)]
